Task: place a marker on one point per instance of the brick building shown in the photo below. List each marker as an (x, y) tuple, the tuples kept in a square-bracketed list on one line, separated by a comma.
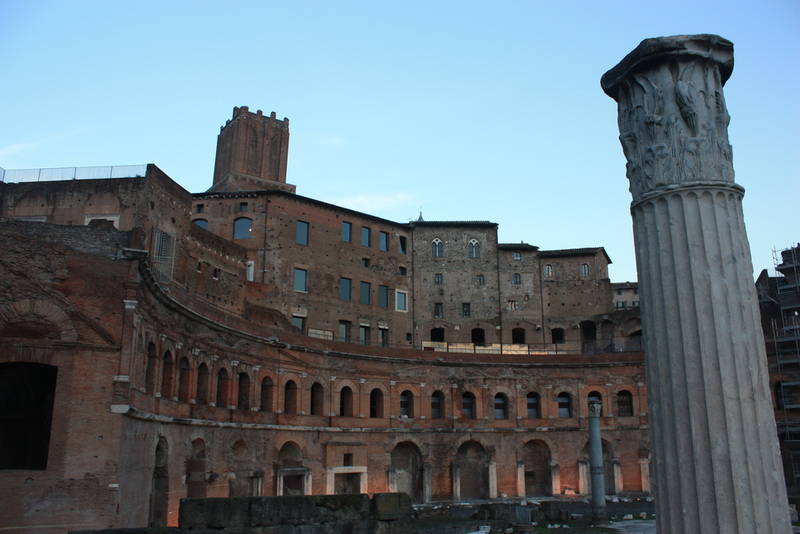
[(157, 344)]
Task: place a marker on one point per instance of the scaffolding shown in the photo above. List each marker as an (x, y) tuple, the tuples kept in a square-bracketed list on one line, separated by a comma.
[(784, 342)]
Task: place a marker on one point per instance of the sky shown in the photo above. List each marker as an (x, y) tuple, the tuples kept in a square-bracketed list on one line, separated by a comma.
[(458, 110)]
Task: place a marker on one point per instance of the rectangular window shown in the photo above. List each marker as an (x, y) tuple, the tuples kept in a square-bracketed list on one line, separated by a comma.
[(480, 280), (384, 332), (345, 289), (365, 262), (516, 279), (511, 305), (365, 294), (402, 244), (438, 310), (301, 233), (516, 256), (400, 300), (466, 310), (199, 208), (344, 331), (403, 271), (383, 241), (347, 232), (251, 271), (363, 334), (438, 279), (366, 236), (300, 280), (383, 296), (299, 322), (242, 206)]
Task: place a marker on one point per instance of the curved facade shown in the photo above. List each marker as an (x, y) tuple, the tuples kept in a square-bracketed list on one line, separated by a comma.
[(154, 359)]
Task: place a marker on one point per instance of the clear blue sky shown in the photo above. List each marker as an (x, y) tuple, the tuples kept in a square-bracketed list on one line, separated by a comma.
[(465, 110)]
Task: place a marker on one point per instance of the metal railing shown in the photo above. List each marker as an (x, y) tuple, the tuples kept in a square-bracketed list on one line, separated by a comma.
[(72, 173)]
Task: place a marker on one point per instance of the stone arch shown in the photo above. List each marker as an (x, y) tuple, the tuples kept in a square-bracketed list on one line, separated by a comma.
[(536, 458), (267, 394), (376, 403), (196, 470), (346, 396), (290, 397), (167, 368), (36, 318), (317, 401), (292, 474), (471, 471), (203, 377), (406, 470), (243, 391), (159, 491), (184, 375), (609, 466)]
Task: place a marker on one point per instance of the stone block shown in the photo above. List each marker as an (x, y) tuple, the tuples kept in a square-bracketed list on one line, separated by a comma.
[(390, 506), (316, 509), (215, 513)]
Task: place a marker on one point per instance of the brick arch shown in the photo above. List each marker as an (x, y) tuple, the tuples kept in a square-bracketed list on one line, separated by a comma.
[(40, 311), (407, 438)]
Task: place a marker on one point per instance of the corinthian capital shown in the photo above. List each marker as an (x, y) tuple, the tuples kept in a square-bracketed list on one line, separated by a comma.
[(673, 121)]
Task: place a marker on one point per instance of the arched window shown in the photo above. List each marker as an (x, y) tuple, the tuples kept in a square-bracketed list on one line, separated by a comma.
[(150, 369), (406, 404), (222, 388), (437, 248), (243, 398), (183, 380), (500, 406), (518, 336), (376, 403), (564, 401), (317, 399), (533, 405), (202, 223), (242, 228), (478, 336), (290, 397), (548, 271), (437, 334), (468, 405), (202, 384), (346, 402), (437, 405), (557, 336), (584, 270), (595, 396), (166, 376), (266, 395), (624, 404), (474, 248)]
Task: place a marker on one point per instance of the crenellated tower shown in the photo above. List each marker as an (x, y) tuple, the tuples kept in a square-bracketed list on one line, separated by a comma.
[(252, 151)]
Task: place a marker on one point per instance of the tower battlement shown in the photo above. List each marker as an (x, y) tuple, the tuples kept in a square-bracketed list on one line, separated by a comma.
[(252, 152)]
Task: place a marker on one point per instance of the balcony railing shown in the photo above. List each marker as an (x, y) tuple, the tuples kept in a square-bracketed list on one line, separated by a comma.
[(72, 173)]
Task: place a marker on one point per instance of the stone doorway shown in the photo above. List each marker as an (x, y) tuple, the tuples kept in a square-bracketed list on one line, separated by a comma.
[(536, 459), (347, 483), (159, 493), (406, 471), (472, 471)]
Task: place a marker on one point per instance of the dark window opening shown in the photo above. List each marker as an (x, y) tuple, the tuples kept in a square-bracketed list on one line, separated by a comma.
[(383, 241), (345, 289), (406, 404), (202, 223), (437, 334), (347, 232), (557, 336), (518, 336), (346, 402), (317, 399), (564, 401), (478, 336), (266, 395), (27, 391), (500, 406), (376, 403), (624, 404), (243, 398), (290, 397), (301, 233), (222, 389), (533, 405), (403, 249), (366, 236), (468, 405), (437, 405)]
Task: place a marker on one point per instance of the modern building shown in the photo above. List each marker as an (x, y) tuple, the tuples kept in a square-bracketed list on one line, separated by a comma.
[(779, 301), (157, 344)]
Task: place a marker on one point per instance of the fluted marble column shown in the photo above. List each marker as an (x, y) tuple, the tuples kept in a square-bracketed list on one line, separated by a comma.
[(715, 449)]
